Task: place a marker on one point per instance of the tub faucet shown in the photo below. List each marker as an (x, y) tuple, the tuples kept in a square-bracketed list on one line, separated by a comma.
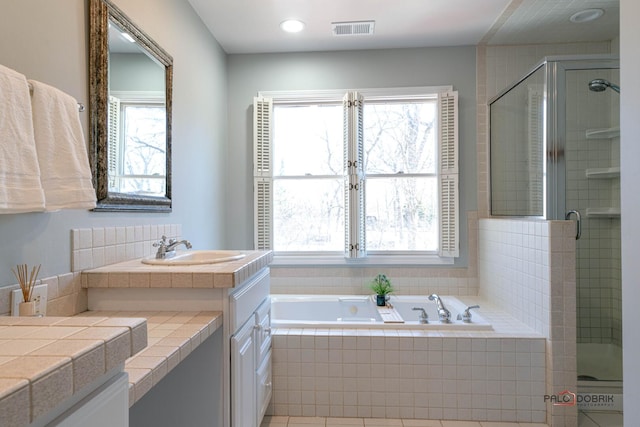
[(466, 315), (167, 248), (423, 317), (444, 315)]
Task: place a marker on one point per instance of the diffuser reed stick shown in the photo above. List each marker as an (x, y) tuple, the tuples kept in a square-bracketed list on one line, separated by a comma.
[(25, 280)]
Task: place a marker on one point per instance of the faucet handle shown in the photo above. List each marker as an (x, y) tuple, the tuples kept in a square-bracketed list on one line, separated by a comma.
[(423, 316), (160, 243), (466, 315)]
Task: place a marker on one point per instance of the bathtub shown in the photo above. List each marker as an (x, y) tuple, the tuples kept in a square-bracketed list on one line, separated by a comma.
[(360, 311)]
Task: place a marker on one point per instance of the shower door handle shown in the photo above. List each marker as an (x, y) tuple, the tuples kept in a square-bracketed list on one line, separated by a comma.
[(578, 222)]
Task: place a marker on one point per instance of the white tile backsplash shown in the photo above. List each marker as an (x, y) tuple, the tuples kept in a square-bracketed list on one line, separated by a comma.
[(96, 247)]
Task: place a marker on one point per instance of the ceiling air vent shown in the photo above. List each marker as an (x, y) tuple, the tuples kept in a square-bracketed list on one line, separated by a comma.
[(355, 28)]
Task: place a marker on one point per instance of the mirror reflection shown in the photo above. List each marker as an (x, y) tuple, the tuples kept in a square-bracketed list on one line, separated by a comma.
[(130, 114), (136, 117)]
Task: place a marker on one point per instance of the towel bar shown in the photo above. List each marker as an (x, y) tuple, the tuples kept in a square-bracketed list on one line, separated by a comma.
[(81, 106)]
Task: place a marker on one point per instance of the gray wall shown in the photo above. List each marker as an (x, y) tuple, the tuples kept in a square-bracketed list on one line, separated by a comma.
[(249, 74), (48, 41), (135, 72), (188, 396)]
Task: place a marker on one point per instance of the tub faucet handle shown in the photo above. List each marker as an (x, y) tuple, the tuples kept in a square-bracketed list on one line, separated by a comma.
[(422, 317), (466, 315)]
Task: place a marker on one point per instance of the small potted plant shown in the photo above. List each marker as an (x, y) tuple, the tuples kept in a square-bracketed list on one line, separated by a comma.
[(381, 285)]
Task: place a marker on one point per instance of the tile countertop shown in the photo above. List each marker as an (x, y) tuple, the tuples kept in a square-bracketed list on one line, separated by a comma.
[(44, 361), (172, 335), (135, 274)]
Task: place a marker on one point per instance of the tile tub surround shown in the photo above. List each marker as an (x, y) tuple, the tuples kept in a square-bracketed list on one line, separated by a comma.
[(45, 361), (371, 422), (528, 269), (172, 336), (135, 274), (482, 376)]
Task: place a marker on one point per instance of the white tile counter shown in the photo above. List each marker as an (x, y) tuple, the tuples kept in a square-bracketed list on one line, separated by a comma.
[(172, 336), (45, 361), (135, 274)]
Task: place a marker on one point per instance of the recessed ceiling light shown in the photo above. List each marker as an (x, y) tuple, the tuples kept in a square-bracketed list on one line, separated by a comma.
[(292, 26), (586, 15)]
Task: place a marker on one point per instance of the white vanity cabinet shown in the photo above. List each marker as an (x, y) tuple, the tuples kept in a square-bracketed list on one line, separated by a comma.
[(250, 321)]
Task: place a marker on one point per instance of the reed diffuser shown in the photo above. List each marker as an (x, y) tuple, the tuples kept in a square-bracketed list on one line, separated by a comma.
[(27, 282)]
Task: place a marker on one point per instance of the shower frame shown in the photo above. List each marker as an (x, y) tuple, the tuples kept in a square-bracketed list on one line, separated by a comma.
[(554, 140)]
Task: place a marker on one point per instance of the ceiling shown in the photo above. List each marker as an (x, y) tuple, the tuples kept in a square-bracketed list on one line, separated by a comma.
[(252, 26)]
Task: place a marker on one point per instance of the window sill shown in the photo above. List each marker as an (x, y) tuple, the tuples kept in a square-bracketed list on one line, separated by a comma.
[(340, 261)]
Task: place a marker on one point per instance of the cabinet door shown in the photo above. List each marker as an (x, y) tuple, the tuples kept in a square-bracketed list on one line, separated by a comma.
[(263, 330), (243, 366), (263, 392)]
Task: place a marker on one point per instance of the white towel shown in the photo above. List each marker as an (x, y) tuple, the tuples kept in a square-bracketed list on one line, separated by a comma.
[(20, 188), (64, 165)]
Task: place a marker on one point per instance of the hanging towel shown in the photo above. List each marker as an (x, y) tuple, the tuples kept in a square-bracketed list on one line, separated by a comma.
[(62, 153), (20, 188)]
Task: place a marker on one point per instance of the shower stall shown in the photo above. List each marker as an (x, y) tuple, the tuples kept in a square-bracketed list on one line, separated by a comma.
[(555, 155)]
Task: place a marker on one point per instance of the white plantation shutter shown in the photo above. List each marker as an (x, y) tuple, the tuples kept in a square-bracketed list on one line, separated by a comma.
[(262, 173), (113, 142), (448, 174), (354, 179)]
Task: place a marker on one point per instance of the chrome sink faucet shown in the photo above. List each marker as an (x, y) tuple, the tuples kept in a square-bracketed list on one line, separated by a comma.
[(444, 315), (167, 248)]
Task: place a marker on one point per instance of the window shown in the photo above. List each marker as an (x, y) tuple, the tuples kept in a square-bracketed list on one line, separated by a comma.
[(137, 145), (361, 174)]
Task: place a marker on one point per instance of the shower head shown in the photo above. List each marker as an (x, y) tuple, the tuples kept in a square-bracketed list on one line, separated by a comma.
[(600, 85)]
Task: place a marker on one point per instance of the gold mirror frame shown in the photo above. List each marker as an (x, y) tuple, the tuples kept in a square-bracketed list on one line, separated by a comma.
[(100, 13)]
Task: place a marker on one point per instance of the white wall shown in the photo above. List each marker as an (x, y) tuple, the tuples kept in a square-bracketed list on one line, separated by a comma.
[(48, 41), (630, 201)]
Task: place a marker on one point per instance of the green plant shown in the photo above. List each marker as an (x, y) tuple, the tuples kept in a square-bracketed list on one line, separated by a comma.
[(381, 285)]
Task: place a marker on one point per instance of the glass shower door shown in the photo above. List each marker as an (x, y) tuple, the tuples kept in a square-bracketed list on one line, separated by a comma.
[(592, 188)]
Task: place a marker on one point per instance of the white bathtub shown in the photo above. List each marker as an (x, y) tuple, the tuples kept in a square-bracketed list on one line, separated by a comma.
[(360, 311)]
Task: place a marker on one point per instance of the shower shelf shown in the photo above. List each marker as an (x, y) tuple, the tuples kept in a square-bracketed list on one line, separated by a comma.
[(603, 212), (604, 133), (603, 173)]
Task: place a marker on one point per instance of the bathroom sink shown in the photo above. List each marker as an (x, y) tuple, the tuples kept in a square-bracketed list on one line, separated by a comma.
[(196, 257)]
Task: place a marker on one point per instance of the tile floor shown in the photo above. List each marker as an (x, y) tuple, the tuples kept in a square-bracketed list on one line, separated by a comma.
[(281, 421), (600, 419), (585, 419)]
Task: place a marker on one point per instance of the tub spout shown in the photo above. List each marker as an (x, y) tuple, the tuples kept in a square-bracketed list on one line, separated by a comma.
[(444, 315)]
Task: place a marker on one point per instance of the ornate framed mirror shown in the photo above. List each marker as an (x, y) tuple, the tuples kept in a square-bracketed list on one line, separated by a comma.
[(130, 78)]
